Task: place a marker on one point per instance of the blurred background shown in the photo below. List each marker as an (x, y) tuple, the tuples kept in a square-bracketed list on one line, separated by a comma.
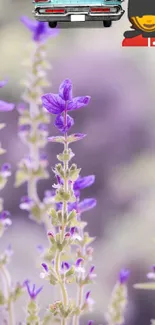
[(119, 150)]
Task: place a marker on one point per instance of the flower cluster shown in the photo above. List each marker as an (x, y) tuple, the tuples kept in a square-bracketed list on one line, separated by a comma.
[(33, 122)]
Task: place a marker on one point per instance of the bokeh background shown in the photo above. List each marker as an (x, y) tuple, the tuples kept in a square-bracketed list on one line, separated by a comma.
[(119, 150)]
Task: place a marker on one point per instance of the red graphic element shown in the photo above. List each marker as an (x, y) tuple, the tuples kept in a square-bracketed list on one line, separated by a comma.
[(139, 41)]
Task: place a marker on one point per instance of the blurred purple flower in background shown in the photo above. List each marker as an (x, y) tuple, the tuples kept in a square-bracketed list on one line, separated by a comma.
[(124, 276), (40, 30)]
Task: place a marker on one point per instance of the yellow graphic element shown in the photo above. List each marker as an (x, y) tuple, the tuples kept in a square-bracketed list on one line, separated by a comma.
[(145, 23)]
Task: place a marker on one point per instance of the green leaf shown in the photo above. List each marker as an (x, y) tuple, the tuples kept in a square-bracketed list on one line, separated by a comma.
[(145, 286), (20, 178)]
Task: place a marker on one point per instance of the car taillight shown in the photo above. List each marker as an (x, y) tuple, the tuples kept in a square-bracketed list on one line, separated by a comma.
[(99, 10), (41, 1), (55, 11)]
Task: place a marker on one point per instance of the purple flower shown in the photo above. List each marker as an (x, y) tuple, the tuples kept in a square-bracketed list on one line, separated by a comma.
[(5, 219), (6, 170), (49, 196), (91, 274), (89, 300), (85, 205), (26, 203), (124, 276), (83, 182), (24, 128), (45, 272), (6, 107), (43, 128), (90, 322), (79, 262), (3, 83), (56, 103), (40, 30), (45, 267), (62, 125), (33, 293), (65, 267)]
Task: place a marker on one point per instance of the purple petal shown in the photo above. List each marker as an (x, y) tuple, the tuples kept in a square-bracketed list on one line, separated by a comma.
[(24, 128), (72, 230), (91, 269), (86, 204), (78, 102), (38, 291), (53, 103), (30, 24), (90, 322), (3, 83), (83, 182), (78, 262), (65, 265), (65, 90), (45, 267), (4, 215), (60, 123), (123, 276), (87, 295), (6, 167), (28, 287), (6, 107)]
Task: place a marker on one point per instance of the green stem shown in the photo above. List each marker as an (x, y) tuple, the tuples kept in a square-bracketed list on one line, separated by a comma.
[(7, 289), (79, 302)]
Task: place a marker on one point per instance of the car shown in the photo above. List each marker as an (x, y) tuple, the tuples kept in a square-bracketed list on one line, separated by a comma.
[(55, 11)]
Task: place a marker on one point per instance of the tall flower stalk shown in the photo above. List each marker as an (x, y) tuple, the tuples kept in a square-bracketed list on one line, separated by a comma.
[(119, 300), (34, 120), (8, 294), (67, 265)]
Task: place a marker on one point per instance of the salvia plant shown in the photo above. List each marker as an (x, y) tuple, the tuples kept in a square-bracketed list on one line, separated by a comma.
[(34, 120), (68, 261)]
